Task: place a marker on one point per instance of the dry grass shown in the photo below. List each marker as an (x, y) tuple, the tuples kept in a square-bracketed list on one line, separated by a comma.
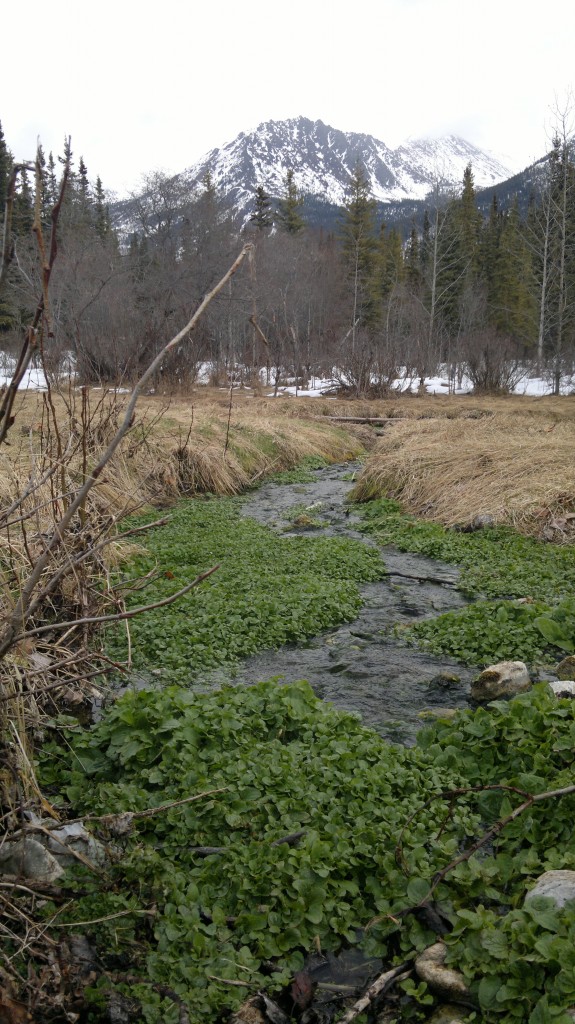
[(181, 446), (516, 466)]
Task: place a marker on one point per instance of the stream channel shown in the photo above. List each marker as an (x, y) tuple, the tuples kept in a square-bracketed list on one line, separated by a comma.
[(362, 666)]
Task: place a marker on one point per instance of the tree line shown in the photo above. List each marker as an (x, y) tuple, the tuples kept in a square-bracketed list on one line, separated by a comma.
[(485, 296)]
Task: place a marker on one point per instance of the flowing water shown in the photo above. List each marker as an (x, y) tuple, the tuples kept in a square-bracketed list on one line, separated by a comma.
[(362, 666)]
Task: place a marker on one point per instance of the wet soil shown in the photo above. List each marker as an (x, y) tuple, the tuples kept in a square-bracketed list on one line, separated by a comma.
[(363, 666)]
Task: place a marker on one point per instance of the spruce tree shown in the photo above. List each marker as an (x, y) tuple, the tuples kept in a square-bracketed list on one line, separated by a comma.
[(360, 252), (101, 211), (5, 165), (262, 216), (512, 307), (412, 259), (51, 188), (390, 260), (23, 215), (290, 204)]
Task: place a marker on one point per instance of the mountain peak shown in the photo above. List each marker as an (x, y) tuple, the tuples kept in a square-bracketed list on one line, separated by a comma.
[(323, 159)]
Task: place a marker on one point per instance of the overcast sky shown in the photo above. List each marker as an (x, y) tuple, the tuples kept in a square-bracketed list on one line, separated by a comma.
[(143, 85)]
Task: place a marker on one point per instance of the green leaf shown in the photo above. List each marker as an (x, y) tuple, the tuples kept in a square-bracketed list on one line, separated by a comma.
[(489, 988)]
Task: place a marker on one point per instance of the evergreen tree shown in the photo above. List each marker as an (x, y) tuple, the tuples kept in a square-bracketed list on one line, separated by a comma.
[(101, 211), (262, 216), (360, 250), (412, 259), (512, 302), (51, 188), (290, 204), (5, 165), (83, 197), (456, 261), (468, 221), (390, 261), (23, 215)]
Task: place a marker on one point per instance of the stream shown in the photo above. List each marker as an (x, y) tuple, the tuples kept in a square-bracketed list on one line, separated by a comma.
[(362, 666)]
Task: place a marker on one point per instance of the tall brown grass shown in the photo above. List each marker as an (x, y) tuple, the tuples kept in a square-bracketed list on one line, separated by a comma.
[(515, 464)]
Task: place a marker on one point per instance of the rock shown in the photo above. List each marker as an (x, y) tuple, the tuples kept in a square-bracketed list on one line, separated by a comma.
[(443, 981), (482, 522), (75, 837), (249, 1012), (566, 668), (504, 679), (479, 522), (27, 858), (558, 886), (68, 839), (434, 713), (444, 681), (563, 687), (447, 1014)]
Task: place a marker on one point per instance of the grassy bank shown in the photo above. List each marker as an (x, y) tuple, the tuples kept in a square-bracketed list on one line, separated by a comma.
[(515, 466)]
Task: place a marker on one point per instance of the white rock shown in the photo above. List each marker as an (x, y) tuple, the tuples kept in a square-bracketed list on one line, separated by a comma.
[(563, 687), (504, 679), (558, 886), (443, 981)]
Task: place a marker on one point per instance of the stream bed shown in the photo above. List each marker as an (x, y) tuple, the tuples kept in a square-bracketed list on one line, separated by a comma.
[(362, 666)]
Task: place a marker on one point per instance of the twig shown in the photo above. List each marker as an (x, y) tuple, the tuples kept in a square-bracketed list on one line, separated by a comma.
[(229, 981), (133, 815), (117, 616), (109, 917), (379, 986)]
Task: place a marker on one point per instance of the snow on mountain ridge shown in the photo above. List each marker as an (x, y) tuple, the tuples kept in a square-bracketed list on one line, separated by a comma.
[(323, 159)]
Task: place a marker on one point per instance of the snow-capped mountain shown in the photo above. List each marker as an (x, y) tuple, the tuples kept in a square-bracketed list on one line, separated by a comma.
[(323, 159)]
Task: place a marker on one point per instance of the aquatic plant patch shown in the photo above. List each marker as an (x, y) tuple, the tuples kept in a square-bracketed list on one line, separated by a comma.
[(487, 631), (495, 562), (316, 833), (529, 614), (267, 591)]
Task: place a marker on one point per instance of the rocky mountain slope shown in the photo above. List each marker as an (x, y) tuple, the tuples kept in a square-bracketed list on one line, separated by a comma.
[(323, 158)]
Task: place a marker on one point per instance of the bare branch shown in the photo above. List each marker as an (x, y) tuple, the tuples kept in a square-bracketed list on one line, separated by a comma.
[(117, 616), (21, 610)]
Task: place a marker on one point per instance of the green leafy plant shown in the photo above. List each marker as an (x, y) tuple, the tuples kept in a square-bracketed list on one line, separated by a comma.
[(283, 765), (486, 631), (515, 583), (495, 562), (266, 591), (557, 626)]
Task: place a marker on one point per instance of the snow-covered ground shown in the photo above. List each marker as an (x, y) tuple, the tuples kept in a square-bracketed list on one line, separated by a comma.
[(34, 380), (534, 386)]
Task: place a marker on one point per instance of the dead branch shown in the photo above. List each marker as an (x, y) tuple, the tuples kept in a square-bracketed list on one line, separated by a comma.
[(380, 985), (491, 833), (111, 819), (116, 616)]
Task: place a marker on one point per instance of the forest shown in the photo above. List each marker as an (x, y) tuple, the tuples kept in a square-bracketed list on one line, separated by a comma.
[(489, 297)]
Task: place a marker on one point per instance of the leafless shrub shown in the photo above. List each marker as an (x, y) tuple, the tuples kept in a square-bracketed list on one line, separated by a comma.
[(493, 362)]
